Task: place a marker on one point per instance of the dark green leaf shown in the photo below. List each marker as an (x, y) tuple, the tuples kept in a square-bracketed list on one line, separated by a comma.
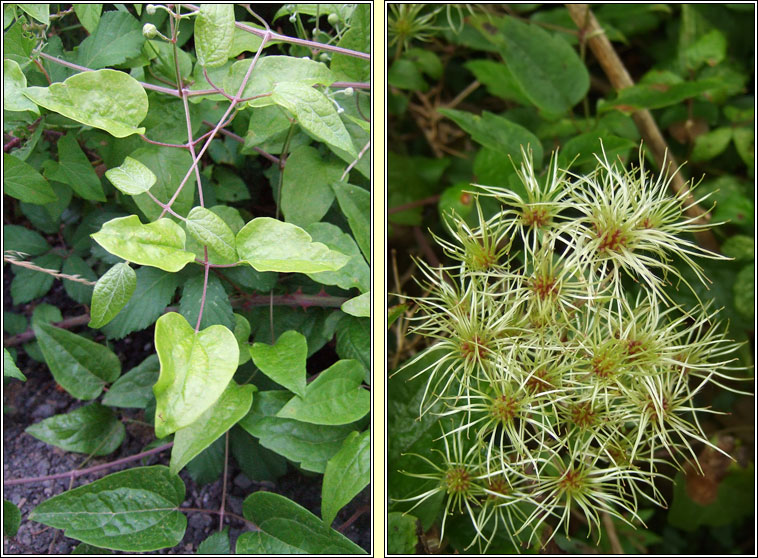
[(135, 388), (117, 38), (744, 292), (347, 473), (23, 182), (11, 518), (21, 239), (29, 284), (306, 191), (355, 203), (92, 429), (80, 292), (10, 370), (217, 308), (401, 533), (354, 340), (257, 462), (217, 543), (73, 168)]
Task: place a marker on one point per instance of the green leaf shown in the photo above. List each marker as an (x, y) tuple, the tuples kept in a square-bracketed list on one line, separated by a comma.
[(46, 314), (10, 370), (80, 292), (11, 518), (214, 32), (209, 229), (257, 462), (117, 38), (355, 203), (208, 466), (134, 511), (14, 323), (711, 144), (288, 528), (23, 182), (40, 12), (496, 133), (29, 284), (658, 95), (107, 99), (92, 429), (271, 245), (405, 74), (315, 113), (73, 168), (89, 15), (336, 397), (739, 247), (154, 292), (84, 548), (14, 82), (347, 473), (112, 291), (81, 367), (744, 291), (709, 49), (231, 406), (744, 142), (394, 312), (159, 244), (401, 533), (357, 37), (310, 445), (195, 369), (359, 306), (548, 69), (21, 239), (283, 362), (131, 177), (306, 194), (170, 166), (135, 388), (355, 273), (242, 335), (270, 70), (217, 309), (581, 148), (354, 341), (499, 80), (217, 543)]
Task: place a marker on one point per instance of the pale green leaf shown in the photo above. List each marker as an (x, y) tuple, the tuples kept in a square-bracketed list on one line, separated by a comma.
[(231, 406), (195, 369), (81, 367), (40, 12), (135, 511), (112, 291), (355, 203), (23, 182), (355, 273), (315, 113), (170, 166), (159, 244), (107, 99), (271, 245), (283, 362), (214, 32), (359, 306), (287, 527), (347, 473), (335, 397), (270, 70), (14, 81), (89, 15), (242, 335), (209, 229), (92, 429), (131, 177)]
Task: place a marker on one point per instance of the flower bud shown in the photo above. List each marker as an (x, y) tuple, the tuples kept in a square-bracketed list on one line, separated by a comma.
[(150, 9), (293, 18), (149, 30), (333, 19)]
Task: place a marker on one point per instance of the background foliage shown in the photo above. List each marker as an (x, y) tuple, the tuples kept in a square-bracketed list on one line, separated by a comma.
[(467, 87), (106, 110)]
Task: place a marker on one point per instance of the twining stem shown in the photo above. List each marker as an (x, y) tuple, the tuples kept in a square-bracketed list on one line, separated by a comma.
[(355, 162), (95, 468)]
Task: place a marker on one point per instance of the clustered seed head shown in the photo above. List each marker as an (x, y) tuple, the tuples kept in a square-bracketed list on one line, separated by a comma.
[(563, 374)]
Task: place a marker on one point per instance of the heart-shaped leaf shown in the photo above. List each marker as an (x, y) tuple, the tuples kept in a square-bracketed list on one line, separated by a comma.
[(195, 369), (132, 177), (283, 362)]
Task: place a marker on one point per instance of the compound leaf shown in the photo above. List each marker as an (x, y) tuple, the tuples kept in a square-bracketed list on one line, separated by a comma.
[(195, 369), (107, 99), (92, 429), (134, 511), (159, 244)]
